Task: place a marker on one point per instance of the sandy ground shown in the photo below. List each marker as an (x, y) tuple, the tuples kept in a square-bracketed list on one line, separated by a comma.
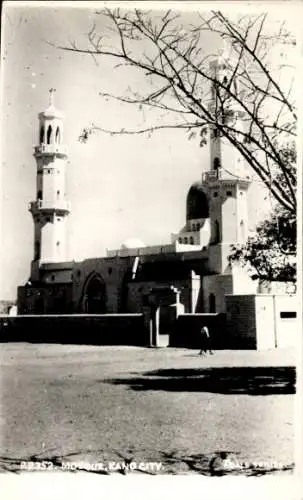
[(100, 404)]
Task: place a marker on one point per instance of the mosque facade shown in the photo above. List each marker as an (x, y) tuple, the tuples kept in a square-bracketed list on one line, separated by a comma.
[(194, 263)]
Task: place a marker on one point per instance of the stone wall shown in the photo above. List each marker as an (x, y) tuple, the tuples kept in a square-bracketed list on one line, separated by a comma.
[(52, 299), (241, 321), (108, 329), (262, 321), (112, 272)]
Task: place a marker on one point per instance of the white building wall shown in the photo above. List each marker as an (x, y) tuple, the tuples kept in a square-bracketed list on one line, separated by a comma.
[(287, 327), (48, 253), (228, 219), (242, 283), (265, 322), (219, 286)]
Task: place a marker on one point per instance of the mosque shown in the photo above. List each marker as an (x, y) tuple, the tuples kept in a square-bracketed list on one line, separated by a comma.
[(192, 269)]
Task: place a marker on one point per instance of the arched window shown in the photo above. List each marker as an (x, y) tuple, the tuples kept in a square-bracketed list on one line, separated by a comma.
[(49, 135), (212, 303), (216, 163), (191, 240), (42, 135), (58, 136)]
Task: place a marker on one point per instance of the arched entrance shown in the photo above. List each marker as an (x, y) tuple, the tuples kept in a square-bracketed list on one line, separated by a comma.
[(164, 303), (94, 296)]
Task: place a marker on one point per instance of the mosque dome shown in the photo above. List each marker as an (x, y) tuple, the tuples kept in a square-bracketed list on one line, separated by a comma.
[(131, 243), (197, 206), (51, 111)]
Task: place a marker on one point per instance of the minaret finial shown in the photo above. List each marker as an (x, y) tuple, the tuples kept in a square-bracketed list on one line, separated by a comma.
[(51, 96)]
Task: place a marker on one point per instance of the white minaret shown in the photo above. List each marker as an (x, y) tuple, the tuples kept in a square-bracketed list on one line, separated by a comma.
[(227, 179), (51, 208)]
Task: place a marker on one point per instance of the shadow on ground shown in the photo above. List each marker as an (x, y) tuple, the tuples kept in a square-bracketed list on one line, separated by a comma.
[(240, 380)]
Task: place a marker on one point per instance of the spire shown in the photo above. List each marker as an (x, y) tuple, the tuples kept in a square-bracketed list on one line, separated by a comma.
[(51, 96), (51, 111)]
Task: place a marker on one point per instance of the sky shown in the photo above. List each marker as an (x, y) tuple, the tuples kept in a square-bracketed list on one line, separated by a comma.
[(120, 187)]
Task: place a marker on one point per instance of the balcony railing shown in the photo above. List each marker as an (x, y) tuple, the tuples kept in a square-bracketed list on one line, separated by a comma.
[(46, 205), (212, 175), (221, 173), (51, 149)]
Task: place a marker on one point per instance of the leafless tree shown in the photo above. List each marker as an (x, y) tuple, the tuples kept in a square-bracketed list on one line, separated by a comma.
[(250, 107)]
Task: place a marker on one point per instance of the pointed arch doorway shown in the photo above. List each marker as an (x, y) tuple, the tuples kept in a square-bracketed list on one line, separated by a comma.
[(94, 295)]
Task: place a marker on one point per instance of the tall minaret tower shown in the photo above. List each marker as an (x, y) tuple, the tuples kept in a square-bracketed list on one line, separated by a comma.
[(227, 180), (51, 208)]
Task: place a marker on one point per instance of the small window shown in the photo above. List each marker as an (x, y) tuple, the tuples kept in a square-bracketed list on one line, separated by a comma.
[(216, 163), (288, 314), (225, 80), (215, 133), (48, 171), (110, 270), (228, 193), (49, 134), (58, 192), (58, 138), (39, 195), (180, 240), (215, 194), (58, 243), (53, 277), (185, 241), (198, 227), (191, 240), (58, 219), (241, 193), (42, 135)]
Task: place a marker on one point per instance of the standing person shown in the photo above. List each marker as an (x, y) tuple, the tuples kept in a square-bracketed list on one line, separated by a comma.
[(204, 335), (205, 340)]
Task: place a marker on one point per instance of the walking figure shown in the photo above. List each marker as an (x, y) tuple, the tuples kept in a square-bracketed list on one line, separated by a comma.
[(205, 341)]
